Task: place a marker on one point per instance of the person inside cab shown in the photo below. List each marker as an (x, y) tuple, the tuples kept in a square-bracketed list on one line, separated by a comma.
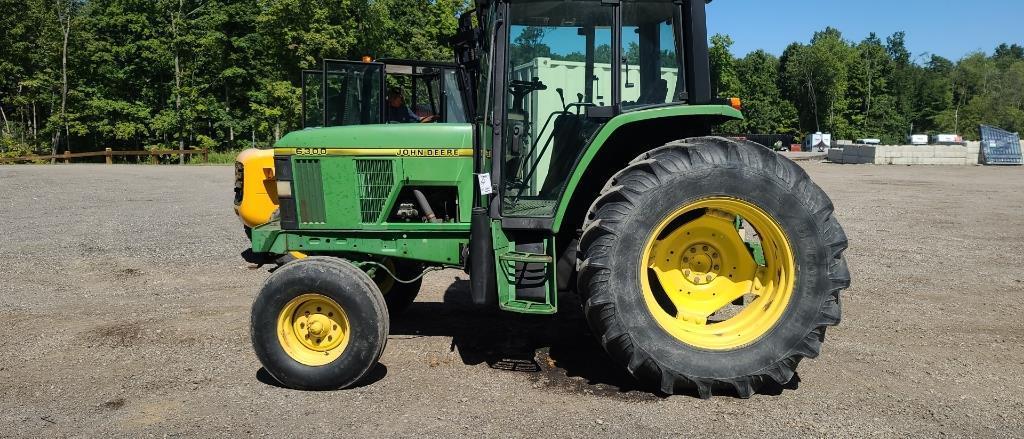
[(398, 112)]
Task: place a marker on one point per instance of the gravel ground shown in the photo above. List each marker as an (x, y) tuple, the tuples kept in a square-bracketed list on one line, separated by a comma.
[(125, 312)]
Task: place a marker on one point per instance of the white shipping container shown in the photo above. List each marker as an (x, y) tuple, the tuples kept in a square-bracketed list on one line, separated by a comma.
[(919, 139)]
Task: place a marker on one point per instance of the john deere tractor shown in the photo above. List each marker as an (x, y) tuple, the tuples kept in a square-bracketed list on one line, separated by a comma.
[(566, 150)]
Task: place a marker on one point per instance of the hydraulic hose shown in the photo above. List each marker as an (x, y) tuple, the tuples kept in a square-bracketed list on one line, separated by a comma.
[(425, 205)]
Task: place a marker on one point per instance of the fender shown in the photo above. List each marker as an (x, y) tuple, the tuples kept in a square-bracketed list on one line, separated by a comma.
[(717, 113)]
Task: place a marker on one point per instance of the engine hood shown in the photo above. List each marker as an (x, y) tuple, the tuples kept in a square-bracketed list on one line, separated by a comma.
[(413, 135)]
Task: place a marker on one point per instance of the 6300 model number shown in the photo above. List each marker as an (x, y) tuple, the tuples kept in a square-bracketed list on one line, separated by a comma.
[(310, 151)]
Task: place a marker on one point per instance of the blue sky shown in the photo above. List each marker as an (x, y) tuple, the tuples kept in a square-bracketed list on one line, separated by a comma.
[(950, 28), (944, 27)]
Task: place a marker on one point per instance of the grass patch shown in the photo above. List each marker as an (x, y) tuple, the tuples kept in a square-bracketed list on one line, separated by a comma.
[(217, 158)]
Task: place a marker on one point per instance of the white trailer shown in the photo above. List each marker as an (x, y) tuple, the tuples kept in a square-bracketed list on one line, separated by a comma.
[(818, 142), (918, 139), (947, 139)]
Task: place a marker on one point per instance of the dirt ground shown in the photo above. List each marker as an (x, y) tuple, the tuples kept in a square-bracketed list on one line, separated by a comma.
[(124, 311)]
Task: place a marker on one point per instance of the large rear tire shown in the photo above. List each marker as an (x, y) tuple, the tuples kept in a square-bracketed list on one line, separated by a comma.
[(680, 299), (319, 323)]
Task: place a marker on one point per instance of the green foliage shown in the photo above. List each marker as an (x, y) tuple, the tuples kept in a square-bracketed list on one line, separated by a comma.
[(875, 89), (763, 105), (217, 158), (724, 81), (224, 74), (220, 73)]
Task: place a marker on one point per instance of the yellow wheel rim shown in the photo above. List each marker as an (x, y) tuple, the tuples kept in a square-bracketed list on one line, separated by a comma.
[(313, 329), (696, 269)]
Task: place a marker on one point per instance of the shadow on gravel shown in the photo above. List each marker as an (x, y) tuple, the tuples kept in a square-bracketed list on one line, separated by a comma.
[(555, 352), (376, 374)]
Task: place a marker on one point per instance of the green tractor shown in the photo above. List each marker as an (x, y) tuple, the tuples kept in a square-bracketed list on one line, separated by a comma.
[(567, 148)]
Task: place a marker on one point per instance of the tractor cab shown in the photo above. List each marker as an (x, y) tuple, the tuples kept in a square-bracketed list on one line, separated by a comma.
[(571, 67), (345, 93)]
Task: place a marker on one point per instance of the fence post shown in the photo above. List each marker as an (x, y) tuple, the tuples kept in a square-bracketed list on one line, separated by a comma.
[(67, 157), (110, 159), (206, 155)]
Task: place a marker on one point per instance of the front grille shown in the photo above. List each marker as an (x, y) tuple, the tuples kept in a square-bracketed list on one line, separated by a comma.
[(310, 186), (376, 180), (239, 182)]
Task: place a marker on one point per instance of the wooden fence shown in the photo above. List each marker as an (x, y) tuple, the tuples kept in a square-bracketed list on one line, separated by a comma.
[(109, 155)]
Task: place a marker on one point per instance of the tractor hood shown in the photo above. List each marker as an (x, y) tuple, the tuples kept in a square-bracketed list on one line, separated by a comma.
[(413, 135)]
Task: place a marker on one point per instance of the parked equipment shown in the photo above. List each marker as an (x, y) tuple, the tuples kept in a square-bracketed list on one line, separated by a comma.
[(1000, 147), (918, 139), (947, 139), (701, 262), (818, 142)]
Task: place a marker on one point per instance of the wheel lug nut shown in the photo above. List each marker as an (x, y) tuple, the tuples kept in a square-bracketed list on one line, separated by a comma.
[(693, 250), (705, 248), (686, 273)]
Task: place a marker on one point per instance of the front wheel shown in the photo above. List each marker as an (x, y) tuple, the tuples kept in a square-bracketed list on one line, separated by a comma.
[(711, 263), (319, 323)]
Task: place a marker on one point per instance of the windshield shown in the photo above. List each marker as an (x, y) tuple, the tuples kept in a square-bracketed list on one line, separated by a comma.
[(353, 93), (652, 55), (455, 108)]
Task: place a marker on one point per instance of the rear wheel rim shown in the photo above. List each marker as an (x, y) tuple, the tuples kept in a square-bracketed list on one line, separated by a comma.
[(313, 329), (696, 265)]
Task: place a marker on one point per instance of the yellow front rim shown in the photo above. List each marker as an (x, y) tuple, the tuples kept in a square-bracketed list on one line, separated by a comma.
[(701, 282), (313, 329)]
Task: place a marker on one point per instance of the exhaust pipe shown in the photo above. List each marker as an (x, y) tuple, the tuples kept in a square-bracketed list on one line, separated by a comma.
[(483, 288)]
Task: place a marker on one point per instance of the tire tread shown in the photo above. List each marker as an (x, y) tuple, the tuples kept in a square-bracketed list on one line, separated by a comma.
[(619, 196)]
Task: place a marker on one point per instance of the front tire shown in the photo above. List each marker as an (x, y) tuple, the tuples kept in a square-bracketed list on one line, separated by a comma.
[(319, 323), (680, 299)]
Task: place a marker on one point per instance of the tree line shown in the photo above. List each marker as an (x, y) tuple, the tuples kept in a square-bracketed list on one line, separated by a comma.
[(870, 89), (224, 74)]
